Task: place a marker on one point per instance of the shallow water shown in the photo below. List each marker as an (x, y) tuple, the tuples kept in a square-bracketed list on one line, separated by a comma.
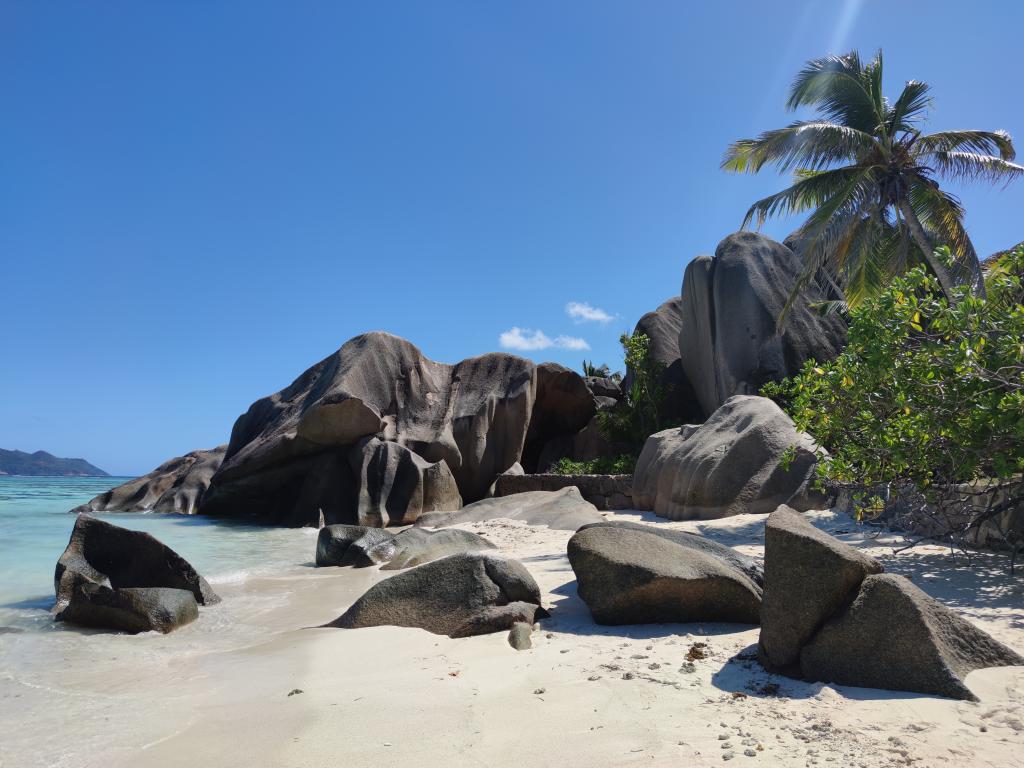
[(35, 526)]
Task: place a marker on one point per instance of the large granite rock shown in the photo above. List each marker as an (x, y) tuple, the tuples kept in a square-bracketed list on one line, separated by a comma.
[(564, 510), (728, 342), (130, 609), (415, 546), (361, 546), (731, 464), (896, 637), (604, 386), (629, 576), (396, 486), (175, 486), (353, 545), (473, 415), (465, 594), (809, 578), (101, 555), (563, 406), (663, 327), (748, 565)]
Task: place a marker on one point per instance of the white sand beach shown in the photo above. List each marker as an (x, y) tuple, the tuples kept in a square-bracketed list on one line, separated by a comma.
[(252, 683)]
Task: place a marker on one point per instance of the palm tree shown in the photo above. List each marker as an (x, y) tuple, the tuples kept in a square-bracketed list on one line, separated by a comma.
[(868, 175)]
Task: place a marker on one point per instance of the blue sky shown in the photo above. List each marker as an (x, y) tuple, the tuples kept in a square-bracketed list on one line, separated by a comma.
[(198, 200)]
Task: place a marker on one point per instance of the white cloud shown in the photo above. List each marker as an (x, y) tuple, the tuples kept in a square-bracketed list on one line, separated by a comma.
[(581, 312), (527, 340)]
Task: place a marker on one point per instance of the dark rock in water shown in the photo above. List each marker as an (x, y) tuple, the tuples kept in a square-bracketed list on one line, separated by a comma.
[(130, 609), (473, 415), (896, 637), (470, 593), (629, 576), (103, 555), (663, 327), (748, 565), (352, 545), (564, 405), (396, 486), (809, 578), (564, 510), (175, 486), (728, 342), (415, 546), (731, 464)]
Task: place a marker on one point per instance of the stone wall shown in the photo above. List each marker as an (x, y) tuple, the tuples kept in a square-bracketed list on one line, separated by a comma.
[(603, 491)]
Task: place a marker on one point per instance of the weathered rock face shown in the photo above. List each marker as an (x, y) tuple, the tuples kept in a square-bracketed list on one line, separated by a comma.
[(353, 545), (809, 577), (563, 510), (396, 486), (731, 464), (460, 595), (175, 486), (896, 637), (629, 576), (115, 559), (663, 327), (360, 546), (473, 416), (130, 609), (601, 386), (563, 406), (415, 546), (748, 565), (731, 303)]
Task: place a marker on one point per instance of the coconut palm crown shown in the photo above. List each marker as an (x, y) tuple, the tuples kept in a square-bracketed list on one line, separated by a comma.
[(869, 177)]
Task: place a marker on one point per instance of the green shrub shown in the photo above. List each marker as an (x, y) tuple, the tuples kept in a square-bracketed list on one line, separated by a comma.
[(620, 465), (926, 402)]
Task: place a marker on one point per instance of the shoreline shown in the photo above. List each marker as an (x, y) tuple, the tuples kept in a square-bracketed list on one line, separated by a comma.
[(217, 692)]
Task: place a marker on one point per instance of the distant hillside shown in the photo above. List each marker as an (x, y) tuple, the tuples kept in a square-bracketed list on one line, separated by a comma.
[(43, 463)]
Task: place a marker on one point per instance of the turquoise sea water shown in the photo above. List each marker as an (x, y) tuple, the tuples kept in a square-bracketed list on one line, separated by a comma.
[(35, 526)]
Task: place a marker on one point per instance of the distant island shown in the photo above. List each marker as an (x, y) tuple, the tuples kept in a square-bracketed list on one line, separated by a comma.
[(42, 463)]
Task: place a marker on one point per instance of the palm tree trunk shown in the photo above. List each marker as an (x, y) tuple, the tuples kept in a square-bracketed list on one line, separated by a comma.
[(917, 232)]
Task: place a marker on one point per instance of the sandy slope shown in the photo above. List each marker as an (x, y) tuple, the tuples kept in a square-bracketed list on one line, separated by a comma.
[(584, 695)]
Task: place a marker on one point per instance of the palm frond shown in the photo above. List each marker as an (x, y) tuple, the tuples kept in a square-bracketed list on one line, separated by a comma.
[(810, 191), (811, 145), (972, 166), (836, 86), (983, 142), (913, 100)]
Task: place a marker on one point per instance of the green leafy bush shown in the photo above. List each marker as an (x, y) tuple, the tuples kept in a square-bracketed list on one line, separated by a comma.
[(638, 414), (925, 406), (619, 465)]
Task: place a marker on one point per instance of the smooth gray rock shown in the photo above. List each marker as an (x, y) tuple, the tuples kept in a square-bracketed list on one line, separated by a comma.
[(130, 609), (415, 546), (473, 415), (896, 637), (353, 545), (107, 555), (731, 303), (628, 576), (396, 486), (809, 578), (176, 486), (564, 510), (519, 636), (748, 565), (469, 593), (731, 464)]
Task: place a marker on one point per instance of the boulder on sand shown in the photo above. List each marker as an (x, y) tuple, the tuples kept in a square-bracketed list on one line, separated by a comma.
[(728, 339), (360, 546), (629, 576), (896, 637), (460, 595), (115, 558), (748, 565), (564, 510), (734, 463), (415, 546), (353, 545), (809, 577), (176, 486)]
